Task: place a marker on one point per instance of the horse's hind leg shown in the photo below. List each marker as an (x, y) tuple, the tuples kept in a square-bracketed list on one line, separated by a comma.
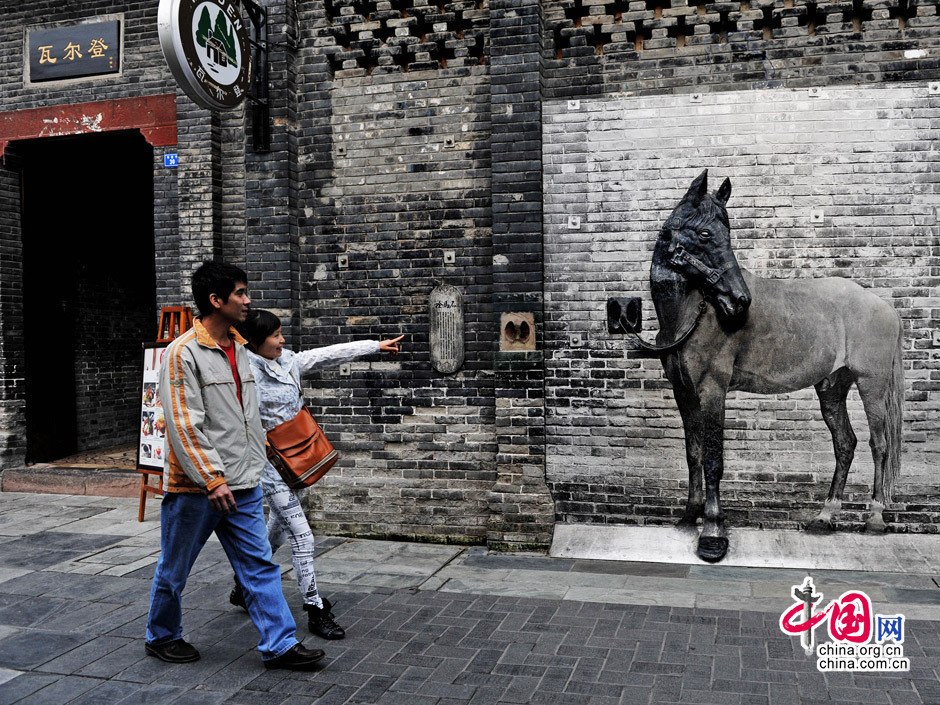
[(874, 399), (832, 393)]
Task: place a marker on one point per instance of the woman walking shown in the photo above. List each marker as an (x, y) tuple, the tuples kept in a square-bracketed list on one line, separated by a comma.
[(277, 374)]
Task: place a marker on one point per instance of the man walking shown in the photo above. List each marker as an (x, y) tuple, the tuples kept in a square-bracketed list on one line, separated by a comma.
[(211, 476)]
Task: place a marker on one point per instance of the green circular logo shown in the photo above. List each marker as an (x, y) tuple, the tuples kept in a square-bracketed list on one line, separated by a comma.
[(206, 46)]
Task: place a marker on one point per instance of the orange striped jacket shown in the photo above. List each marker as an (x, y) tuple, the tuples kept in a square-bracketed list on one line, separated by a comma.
[(212, 438)]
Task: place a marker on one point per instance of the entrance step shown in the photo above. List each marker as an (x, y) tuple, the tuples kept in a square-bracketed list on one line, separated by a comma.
[(56, 479), (106, 472)]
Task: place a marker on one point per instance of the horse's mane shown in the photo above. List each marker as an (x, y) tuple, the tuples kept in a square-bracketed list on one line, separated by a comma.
[(687, 215)]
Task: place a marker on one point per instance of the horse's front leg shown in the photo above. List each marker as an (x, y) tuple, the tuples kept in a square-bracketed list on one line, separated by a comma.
[(713, 541), (695, 505)]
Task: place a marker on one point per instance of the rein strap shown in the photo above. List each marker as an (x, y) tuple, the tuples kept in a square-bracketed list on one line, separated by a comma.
[(674, 345)]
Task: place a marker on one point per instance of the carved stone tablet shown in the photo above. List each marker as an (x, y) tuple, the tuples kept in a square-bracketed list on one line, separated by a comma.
[(446, 314)]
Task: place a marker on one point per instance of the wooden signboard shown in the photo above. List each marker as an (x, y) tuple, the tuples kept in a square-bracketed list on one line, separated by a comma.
[(74, 51)]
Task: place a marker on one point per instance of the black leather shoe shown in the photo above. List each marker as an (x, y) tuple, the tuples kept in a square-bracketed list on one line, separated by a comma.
[(297, 658), (237, 597), (176, 651), (320, 621)]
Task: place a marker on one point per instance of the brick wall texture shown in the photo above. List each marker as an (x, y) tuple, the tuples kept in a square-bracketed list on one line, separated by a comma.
[(404, 132), (409, 180)]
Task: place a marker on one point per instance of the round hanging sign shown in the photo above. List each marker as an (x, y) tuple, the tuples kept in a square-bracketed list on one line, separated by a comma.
[(206, 47)]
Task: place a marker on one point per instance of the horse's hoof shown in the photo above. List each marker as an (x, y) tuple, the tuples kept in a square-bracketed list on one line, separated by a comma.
[(818, 526), (688, 521), (875, 525), (712, 548)]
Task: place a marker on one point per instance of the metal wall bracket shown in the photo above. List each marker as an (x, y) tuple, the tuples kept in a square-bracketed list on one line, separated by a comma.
[(258, 88)]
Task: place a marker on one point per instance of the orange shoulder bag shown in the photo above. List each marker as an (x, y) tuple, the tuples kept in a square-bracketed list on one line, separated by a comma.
[(300, 451)]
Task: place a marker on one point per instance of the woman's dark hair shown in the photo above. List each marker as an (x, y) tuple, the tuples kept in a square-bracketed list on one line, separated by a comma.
[(257, 327)]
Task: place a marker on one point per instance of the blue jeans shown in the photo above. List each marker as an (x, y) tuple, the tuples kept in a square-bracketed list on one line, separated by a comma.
[(186, 521)]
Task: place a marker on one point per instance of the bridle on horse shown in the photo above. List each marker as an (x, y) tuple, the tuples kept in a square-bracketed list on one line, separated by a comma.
[(712, 276)]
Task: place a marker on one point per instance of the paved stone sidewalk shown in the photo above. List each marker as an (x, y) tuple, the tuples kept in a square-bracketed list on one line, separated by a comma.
[(424, 625)]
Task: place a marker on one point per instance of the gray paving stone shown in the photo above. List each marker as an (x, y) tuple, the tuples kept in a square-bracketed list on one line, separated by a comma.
[(64, 690), (202, 696), (918, 597), (83, 656), (553, 698), (520, 689), (630, 568), (517, 562), (436, 689), (154, 694), (251, 697), (105, 693), (392, 698), (34, 583), (373, 689), (905, 697), (23, 686), (31, 648), (50, 548), (486, 695), (635, 695), (332, 695)]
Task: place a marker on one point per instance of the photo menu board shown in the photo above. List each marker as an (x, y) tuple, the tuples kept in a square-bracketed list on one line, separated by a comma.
[(151, 444)]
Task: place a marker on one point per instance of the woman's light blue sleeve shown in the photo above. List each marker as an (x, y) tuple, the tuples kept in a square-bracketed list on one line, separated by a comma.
[(332, 355)]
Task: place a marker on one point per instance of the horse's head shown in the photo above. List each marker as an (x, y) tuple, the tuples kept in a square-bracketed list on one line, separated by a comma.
[(696, 242)]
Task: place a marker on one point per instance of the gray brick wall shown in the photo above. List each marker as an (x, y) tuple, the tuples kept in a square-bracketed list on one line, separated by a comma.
[(859, 157), (683, 46), (12, 391), (406, 178), (170, 279), (270, 179), (520, 503)]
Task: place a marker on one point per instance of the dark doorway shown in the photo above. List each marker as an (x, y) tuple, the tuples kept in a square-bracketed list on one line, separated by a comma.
[(88, 288)]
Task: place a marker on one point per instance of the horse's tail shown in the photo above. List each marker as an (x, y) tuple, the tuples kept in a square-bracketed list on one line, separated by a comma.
[(894, 406)]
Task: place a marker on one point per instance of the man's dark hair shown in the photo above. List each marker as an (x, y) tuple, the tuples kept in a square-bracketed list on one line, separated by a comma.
[(217, 278), (257, 327)]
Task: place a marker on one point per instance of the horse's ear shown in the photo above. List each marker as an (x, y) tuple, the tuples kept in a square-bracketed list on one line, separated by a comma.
[(724, 191), (698, 189)]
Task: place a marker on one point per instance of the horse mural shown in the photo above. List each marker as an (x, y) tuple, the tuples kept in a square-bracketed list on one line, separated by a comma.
[(722, 328)]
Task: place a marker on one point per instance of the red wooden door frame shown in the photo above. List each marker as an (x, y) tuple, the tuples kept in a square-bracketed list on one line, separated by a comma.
[(154, 116)]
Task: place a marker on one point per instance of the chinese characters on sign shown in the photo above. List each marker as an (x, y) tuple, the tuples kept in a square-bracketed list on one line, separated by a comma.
[(862, 641), (74, 51), (206, 45), (447, 329)]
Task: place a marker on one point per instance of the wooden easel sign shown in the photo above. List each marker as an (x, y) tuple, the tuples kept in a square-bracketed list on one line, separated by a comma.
[(151, 443)]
